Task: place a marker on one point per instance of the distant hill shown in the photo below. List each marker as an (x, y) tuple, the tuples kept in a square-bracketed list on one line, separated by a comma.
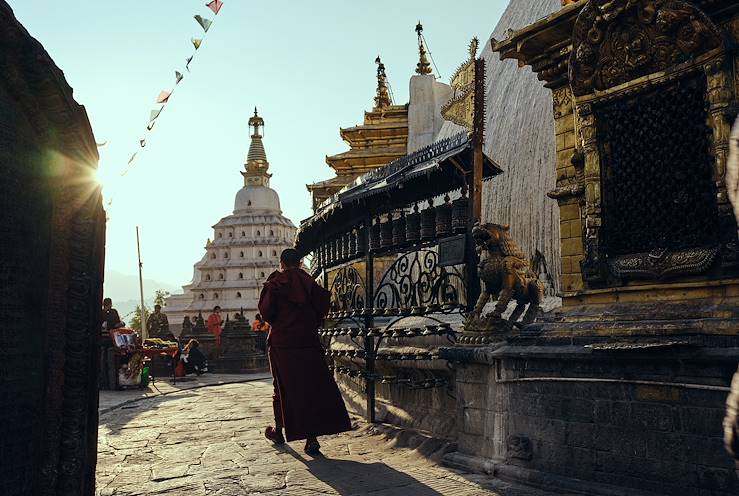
[(123, 289)]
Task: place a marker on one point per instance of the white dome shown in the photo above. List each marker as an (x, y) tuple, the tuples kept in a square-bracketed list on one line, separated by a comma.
[(256, 198)]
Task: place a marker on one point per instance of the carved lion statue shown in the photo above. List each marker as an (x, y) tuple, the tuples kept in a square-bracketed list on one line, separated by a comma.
[(505, 273)]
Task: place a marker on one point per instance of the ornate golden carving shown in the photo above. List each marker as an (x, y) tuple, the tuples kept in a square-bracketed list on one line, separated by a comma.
[(460, 109), (662, 263), (562, 102), (719, 95), (505, 272), (616, 41), (382, 99), (572, 188)]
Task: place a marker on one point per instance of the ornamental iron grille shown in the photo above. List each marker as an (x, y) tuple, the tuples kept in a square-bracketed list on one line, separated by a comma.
[(658, 195), (348, 291), (416, 282)]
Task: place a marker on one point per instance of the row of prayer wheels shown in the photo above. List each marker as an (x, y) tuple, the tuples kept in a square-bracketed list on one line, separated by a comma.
[(398, 230)]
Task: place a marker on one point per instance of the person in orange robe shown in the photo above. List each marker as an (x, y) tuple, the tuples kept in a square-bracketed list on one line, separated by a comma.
[(215, 321), (307, 402)]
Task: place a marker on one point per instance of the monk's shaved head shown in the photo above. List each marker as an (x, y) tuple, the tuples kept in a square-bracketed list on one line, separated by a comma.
[(290, 257)]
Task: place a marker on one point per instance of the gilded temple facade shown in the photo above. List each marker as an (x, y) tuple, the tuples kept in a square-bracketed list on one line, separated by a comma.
[(380, 139)]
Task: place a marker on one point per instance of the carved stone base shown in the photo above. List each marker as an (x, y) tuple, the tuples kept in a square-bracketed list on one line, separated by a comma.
[(487, 324)]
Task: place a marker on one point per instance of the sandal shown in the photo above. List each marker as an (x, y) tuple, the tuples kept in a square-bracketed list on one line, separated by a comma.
[(274, 435), (312, 447)]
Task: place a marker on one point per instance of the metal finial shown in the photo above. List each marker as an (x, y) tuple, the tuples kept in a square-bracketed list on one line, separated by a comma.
[(423, 67), (382, 99), (474, 45)]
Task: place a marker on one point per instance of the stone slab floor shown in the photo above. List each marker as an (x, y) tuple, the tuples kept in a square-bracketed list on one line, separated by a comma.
[(209, 442)]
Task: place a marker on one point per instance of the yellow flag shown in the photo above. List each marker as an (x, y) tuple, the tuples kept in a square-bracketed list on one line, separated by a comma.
[(196, 42)]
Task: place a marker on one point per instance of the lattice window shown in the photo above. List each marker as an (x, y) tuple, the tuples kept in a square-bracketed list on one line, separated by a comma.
[(656, 170)]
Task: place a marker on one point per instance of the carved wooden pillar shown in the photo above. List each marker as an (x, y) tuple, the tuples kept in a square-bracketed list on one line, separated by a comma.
[(720, 96), (592, 266)]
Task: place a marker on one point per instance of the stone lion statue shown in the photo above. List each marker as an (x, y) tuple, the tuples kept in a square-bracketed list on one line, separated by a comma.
[(505, 273)]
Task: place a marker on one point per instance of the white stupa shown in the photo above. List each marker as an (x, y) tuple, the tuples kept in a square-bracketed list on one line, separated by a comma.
[(245, 249)]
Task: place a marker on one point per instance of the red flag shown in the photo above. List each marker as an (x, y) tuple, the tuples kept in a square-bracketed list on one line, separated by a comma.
[(215, 6), (163, 96)]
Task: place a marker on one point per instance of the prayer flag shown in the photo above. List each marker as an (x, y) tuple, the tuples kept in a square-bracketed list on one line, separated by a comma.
[(150, 126), (188, 59), (131, 159), (215, 6), (178, 76), (154, 114), (163, 96), (142, 143), (196, 42), (100, 145), (204, 23)]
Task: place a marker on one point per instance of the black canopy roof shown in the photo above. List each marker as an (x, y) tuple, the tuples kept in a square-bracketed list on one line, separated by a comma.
[(423, 174)]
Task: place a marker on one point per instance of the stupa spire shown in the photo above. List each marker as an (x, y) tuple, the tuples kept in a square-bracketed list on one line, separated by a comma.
[(382, 99), (256, 160), (423, 67)]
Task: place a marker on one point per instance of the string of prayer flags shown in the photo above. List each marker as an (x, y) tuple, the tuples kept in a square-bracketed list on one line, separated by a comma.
[(154, 114), (215, 6), (163, 96), (204, 23)]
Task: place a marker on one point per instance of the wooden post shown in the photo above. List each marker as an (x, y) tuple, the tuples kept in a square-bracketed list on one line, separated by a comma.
[(478, 139), (475, 187)]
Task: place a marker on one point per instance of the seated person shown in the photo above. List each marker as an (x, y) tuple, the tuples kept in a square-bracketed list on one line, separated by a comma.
[(193, 359)]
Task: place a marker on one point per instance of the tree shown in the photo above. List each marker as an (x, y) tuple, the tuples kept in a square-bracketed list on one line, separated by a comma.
[(159, 296), (135, 323)]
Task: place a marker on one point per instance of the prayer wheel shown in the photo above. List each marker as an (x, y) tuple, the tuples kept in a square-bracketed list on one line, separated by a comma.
[(353, 243), (386, 233), (444, 219), (361, 234), (428, 222), (375, 235), (460, 214), (399, 230), (413, 226)]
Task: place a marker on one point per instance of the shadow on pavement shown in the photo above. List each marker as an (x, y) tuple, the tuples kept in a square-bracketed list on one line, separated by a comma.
[(349, 477)]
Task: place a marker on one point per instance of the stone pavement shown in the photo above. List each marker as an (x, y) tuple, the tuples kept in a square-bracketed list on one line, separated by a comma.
[(109, 400), (209, 441)]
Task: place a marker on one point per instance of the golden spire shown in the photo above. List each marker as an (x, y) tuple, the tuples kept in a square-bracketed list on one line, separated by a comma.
[(256, 159), (382, 99), (423, 66)]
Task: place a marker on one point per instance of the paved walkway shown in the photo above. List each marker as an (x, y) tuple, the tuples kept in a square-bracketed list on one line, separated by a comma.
[(110, 400), (208, 441)]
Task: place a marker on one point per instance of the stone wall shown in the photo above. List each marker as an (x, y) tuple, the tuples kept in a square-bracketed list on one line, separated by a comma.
[(649, 423)]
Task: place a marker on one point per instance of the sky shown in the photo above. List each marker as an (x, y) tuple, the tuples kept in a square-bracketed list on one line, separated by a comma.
[(308, 67)]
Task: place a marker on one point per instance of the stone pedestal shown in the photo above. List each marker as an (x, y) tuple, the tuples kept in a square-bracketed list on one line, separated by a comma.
[(239, 352)]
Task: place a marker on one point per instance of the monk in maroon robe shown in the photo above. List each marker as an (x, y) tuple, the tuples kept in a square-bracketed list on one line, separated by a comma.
[(307, 403)]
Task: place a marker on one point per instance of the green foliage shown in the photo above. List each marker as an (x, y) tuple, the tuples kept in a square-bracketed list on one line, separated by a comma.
[(135, 322), (159, 296)]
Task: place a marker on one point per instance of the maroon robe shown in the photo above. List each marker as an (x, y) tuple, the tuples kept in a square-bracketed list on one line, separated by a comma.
[(307, 401)]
